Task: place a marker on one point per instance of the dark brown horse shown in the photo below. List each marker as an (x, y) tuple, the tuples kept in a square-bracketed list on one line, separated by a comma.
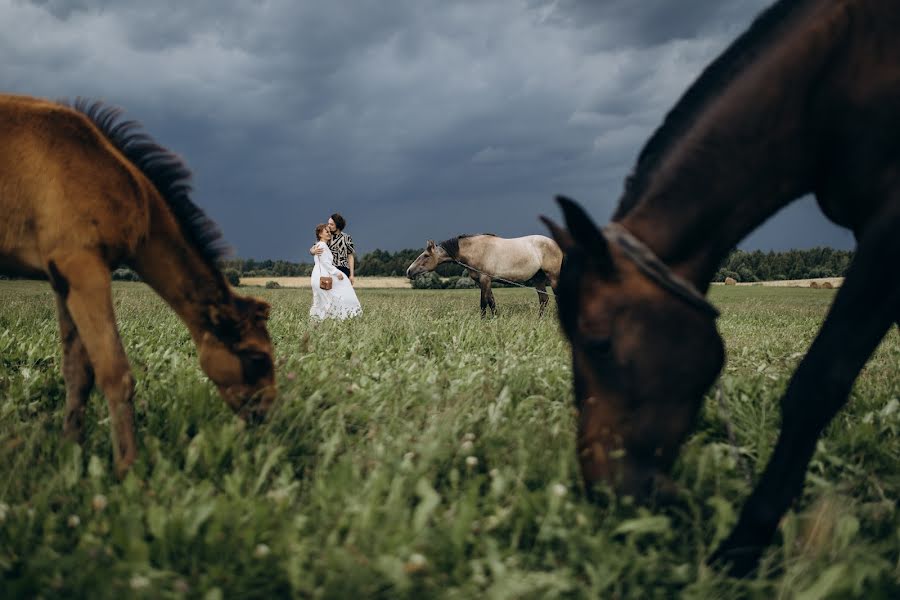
[(806, 101), (82, 192), (487, 256)]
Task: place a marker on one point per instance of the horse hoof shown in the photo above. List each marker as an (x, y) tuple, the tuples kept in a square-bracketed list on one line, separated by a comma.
[(739, 562)]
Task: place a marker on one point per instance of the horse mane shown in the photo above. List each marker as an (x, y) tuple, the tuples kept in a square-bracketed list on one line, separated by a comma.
[(713, 80), (164, 169), (451, 246)]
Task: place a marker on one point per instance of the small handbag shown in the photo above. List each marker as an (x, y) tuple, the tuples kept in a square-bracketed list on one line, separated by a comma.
[(325, 283)]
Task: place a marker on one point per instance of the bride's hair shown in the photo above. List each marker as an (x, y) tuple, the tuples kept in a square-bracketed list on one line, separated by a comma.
[(319, 229)]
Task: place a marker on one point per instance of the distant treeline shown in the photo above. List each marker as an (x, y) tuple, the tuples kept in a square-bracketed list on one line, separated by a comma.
[(378, 263), (740, 265), (791, 264)]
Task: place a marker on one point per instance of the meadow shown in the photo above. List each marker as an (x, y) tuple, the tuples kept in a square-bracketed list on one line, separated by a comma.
[(420, 451)]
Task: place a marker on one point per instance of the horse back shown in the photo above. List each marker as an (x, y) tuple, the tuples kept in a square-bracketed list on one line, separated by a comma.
[(64, 188)]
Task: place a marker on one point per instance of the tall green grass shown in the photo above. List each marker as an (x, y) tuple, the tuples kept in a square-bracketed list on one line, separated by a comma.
[(420, 451)]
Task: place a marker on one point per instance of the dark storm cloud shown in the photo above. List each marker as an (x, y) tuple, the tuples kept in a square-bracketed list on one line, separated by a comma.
[(416, 119)]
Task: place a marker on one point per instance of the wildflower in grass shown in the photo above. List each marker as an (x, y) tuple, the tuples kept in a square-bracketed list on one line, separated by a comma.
[(279, 496), (409, 456), (99, 502), (138, 582), (74, 521), (467, 446), (559, 490), (261, 551), (469, 437), (471, 461), (494, 473), (416, 563)]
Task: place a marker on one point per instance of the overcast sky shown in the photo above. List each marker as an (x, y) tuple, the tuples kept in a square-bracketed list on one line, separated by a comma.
[(415, 119)]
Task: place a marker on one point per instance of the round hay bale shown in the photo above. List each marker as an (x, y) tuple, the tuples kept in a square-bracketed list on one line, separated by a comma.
[(730, 281), (814, 285), (826, 285)]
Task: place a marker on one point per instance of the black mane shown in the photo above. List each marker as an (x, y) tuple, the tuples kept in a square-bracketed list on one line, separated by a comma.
[(165, 170), (714, 79), (451, 246)]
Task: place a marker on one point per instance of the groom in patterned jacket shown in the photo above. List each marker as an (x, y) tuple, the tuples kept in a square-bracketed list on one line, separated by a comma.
[(341, 246)]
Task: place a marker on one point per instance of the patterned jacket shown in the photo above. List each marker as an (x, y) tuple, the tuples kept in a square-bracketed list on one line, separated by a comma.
[(341, 246)]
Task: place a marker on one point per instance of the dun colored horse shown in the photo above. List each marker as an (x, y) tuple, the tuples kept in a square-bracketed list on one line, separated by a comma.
[(83, 191), (806, 101), (517, 259)]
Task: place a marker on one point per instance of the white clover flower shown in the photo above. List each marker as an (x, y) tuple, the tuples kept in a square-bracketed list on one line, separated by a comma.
[(138, 582), (471, 461), (416, 563), (99, 502), (469, 437), (74, 521), (559, 490), (467, 446), (261, 551)]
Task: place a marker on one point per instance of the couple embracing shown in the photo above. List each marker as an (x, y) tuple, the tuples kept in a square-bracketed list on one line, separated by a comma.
[(332, 277)]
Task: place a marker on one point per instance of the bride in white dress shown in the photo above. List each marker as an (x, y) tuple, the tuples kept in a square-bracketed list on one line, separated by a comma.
[(340, 302)]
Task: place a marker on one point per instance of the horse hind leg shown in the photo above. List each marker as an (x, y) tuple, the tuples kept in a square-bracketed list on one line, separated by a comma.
[(864, 309), (77, 371), (82, 280)]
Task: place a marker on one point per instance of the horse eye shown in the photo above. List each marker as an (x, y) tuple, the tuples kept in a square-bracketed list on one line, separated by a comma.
[(255, 365), (596, 345)]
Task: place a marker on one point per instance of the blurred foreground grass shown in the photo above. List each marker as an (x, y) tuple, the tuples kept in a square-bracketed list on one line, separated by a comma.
[(420, 451)]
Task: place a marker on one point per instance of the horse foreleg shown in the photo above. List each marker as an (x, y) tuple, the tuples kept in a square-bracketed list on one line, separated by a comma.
[(864, 309), (77, 372), (83, 281), (543, 297), (487, 296)]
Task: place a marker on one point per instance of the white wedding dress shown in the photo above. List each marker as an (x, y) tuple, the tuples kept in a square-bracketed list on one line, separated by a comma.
[(340, 302)]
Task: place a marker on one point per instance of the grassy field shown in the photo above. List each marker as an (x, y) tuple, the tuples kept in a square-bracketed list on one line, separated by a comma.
[(419, 451)]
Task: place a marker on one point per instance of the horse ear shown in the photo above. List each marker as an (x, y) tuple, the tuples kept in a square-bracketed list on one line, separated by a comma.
[(430, 245), (560, 235), (583, 230)]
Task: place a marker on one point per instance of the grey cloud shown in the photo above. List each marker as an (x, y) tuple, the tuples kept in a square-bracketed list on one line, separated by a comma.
[(415, 119)]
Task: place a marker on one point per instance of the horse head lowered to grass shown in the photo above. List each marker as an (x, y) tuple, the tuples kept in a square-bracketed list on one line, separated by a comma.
[(83, 192), (532, 257), (806, 101)]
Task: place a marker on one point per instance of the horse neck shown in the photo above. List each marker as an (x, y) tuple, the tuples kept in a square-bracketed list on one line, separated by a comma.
[(177, 271), (741, 160), (468, 253)]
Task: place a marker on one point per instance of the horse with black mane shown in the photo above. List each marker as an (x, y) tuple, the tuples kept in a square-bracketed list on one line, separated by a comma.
[(82, 192), (534, 258), (806, 101)]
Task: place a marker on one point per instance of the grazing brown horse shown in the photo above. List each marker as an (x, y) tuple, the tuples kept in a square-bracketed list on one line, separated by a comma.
[(82, 192), (516, 259), (806, 101)]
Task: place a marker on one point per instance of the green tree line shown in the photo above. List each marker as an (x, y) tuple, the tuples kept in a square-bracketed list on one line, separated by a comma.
[(378, 263), (791, 264), (741, 265)]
